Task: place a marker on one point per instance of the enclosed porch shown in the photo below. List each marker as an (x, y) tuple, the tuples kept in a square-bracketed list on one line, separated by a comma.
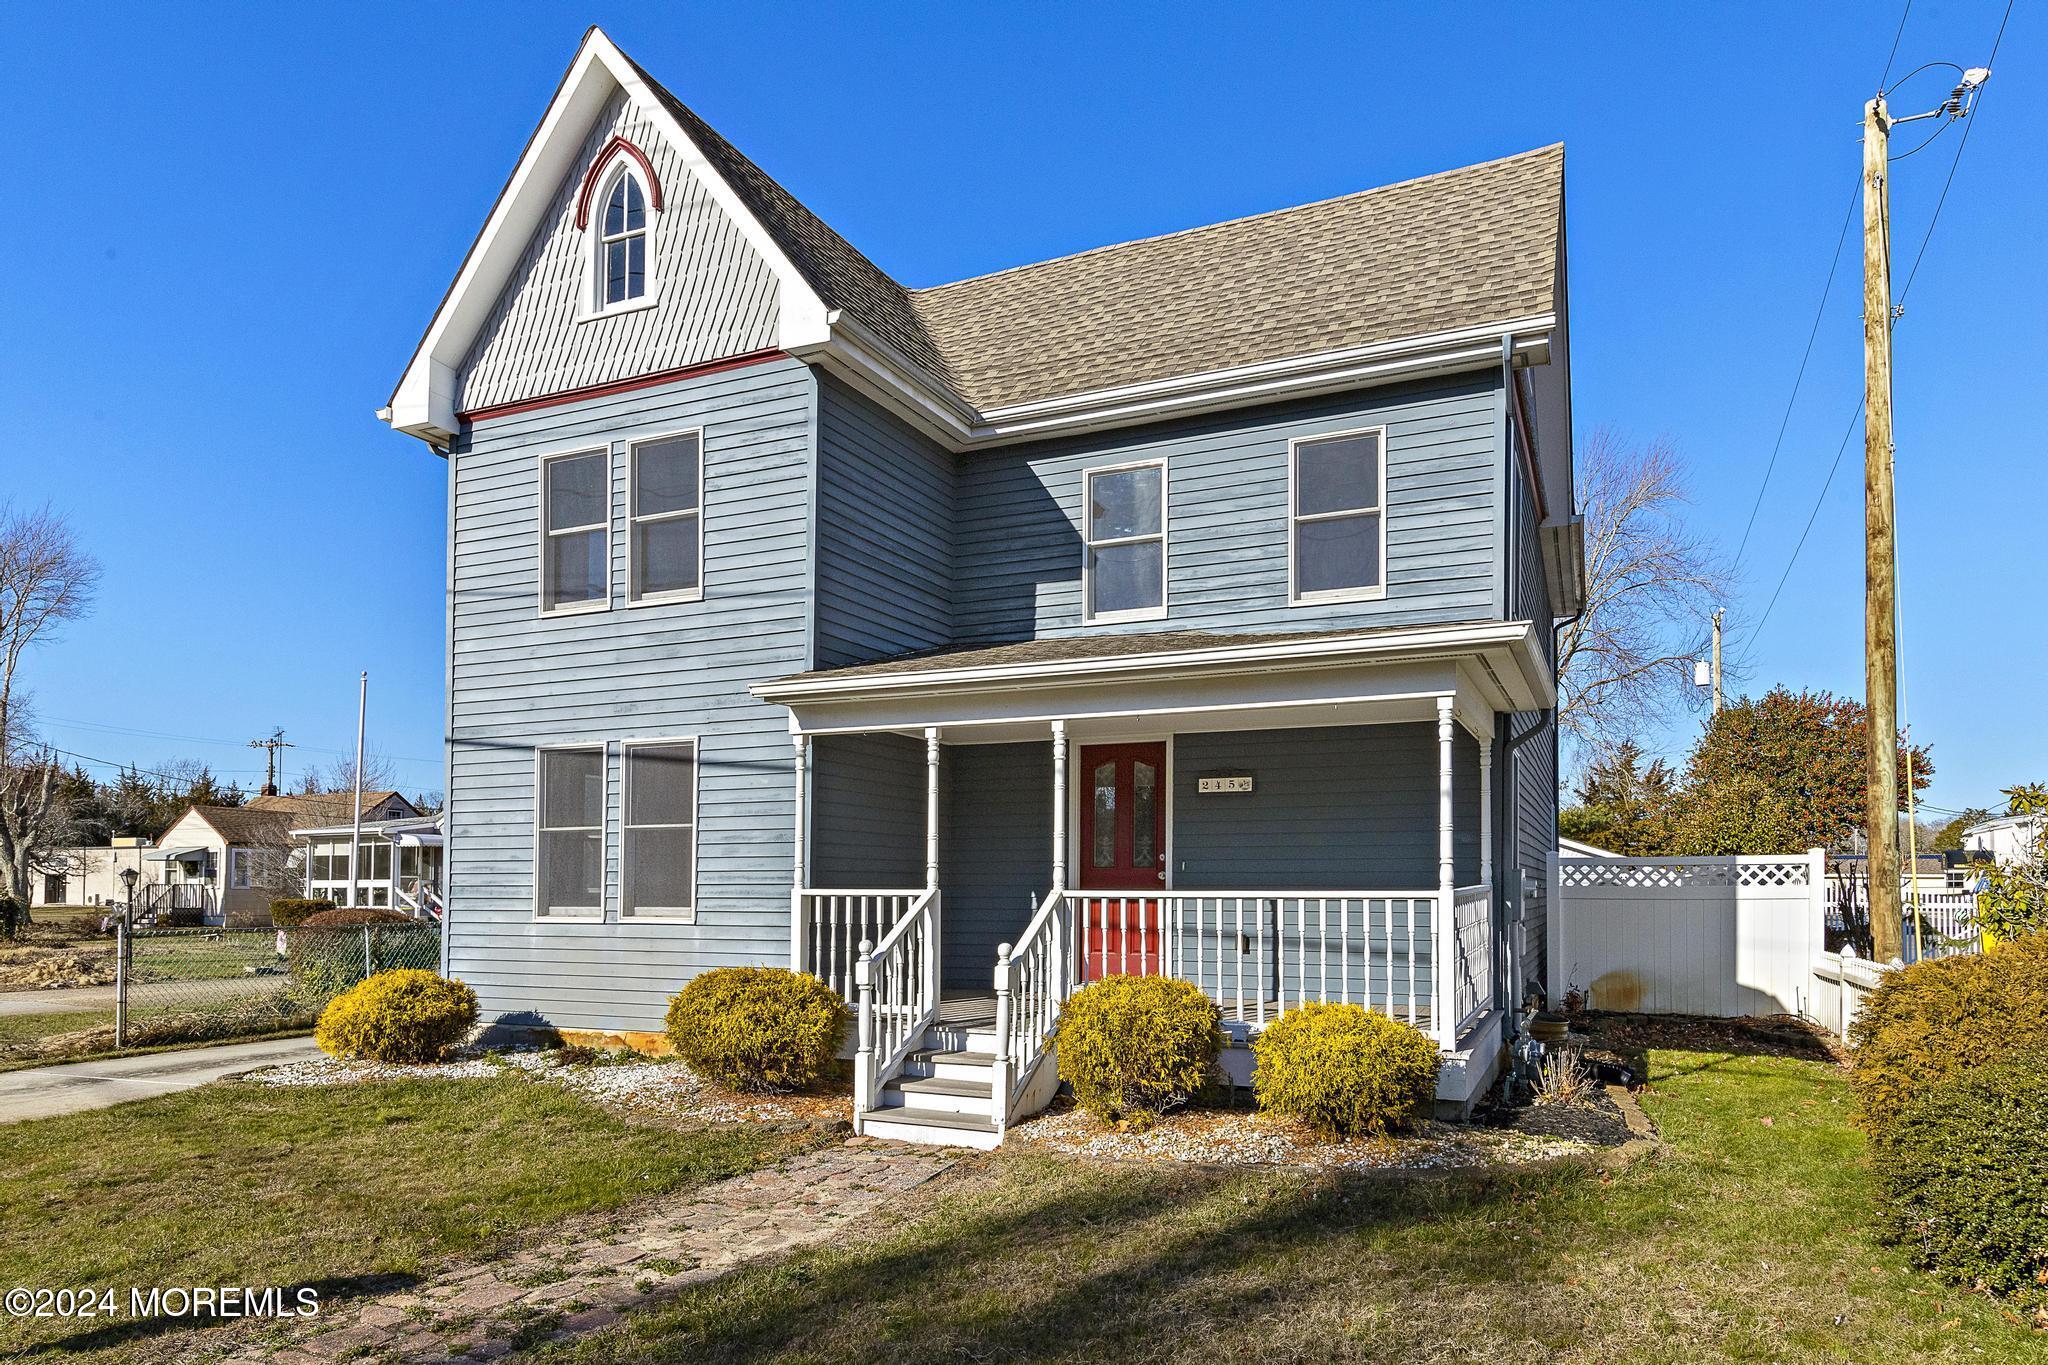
[(1275, 834)]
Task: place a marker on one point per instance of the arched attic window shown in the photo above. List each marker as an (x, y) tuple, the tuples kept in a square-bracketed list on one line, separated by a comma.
[(622, 241)]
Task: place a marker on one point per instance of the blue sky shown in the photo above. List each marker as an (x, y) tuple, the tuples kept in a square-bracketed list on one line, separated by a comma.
[(226, 227)]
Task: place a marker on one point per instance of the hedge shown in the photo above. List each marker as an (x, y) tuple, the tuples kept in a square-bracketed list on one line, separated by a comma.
[(1962, 1167), (287, 912), (1943, 1016), (1345, 1071), (1134, 1047), (758, 1028)]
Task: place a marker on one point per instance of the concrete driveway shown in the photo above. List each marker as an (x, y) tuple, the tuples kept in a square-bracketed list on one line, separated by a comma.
[(39, 1092)]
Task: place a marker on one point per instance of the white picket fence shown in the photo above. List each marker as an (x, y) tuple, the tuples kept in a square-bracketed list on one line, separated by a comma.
[(1721, 936)]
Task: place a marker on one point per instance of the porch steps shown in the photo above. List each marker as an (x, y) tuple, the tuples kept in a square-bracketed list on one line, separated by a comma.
[(945, 1094)]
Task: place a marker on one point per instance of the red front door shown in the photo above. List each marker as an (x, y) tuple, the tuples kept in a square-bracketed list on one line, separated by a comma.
[(1123, 848)]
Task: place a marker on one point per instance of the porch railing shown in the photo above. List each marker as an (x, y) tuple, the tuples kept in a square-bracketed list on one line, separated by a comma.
[(1472, 970), (1032, 979), (896, 989), (830, 925), (1259, 953)]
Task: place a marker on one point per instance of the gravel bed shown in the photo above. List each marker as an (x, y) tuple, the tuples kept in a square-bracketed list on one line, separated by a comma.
[(661, 1088), (1239, 1138)]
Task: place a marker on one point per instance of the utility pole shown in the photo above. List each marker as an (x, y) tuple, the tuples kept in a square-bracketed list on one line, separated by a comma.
[(1880, 580), (272, 745), (1717, 659), (355, 835)]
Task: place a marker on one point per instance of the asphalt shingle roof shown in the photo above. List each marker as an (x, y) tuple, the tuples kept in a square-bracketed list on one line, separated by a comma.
[(1458, 249)]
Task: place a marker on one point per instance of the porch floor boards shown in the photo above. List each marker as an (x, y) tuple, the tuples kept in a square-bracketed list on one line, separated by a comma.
[(968, 1010)]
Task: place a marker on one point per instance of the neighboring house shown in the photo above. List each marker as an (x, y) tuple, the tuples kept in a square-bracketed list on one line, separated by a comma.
[(1574, 848), (1180, 606), (230, 862), (1931, 871), (2007, 839), (398, 863), (88, 875)]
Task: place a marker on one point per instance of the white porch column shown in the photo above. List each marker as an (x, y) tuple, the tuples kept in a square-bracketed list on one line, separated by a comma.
[(1059, 805), (1486, 814), (799, 869), (1443, 1007), (931, 808)]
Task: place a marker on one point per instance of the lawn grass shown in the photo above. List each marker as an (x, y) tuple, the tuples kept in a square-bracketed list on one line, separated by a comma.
[(16, 1029), (330, 1186), (1746, 1239)]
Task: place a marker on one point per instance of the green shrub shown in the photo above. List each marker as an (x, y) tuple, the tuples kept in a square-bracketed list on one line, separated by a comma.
[(1345, 1070), (397, 1016), (13, 915), (1936, 1018), (758, 1028), (1134, 1047), (288, 912), (1962, 1169), (349, 915)]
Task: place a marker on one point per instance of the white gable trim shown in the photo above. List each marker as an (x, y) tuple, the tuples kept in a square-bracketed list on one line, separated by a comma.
[(424, 403)]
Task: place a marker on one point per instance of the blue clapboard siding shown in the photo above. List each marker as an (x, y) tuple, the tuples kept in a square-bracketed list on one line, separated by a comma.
[(867, 811), (885, 534), (1018, 547), (1340, 809), (521, 680), (995, 852)]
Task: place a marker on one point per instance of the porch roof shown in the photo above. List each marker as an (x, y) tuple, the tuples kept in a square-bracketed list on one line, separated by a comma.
[(1499, 664)]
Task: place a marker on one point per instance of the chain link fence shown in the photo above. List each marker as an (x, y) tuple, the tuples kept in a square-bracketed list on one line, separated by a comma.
[(200, 985)]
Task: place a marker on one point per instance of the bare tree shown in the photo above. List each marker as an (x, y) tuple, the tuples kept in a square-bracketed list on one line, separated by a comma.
[(45, 581), (1651, 589), (379, 774)]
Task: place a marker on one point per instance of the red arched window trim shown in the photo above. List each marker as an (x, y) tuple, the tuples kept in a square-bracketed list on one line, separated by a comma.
[(604, 159)]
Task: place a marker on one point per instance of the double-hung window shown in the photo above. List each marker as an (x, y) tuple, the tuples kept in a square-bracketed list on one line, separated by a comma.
[(666, 521), (576, 531), (569, 837), (1337, 524), (1124, 568), (660, 828)]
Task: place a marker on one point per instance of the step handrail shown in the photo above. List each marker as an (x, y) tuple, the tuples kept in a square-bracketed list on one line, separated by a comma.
[(896, 985), (1032, 981)]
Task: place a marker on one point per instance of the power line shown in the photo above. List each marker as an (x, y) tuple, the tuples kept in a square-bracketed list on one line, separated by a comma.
[(1957, 160), (1811, 517)]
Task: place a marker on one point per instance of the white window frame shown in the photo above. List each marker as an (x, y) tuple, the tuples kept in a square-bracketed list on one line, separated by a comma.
[(656, 599), (594, 306), (668, 915), (599, 603), (1089, 544), (574, 913), (240, 876), (1296, 597)]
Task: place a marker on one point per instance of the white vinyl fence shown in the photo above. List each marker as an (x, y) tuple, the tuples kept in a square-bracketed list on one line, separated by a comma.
[(1715, 936)]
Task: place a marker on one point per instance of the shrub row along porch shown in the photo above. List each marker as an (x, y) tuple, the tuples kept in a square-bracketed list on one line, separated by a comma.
[(979, 834)]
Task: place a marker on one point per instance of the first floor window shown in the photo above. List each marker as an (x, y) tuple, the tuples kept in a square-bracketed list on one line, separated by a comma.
[(1338, 517), (570, 877), (660, 850), (1126, 534), (666, 519), (575, 529)]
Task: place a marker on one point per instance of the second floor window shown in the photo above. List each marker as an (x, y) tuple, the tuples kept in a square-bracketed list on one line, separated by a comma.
[(1124, 572), (665, 523), (576, 530), (622, 243), (1338, 523)]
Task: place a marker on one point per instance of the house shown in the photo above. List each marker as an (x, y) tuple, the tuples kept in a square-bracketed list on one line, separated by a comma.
[(1180, 606), (398, 863), (1578, 848), (2007, 839), (88, 875), (229, 862)]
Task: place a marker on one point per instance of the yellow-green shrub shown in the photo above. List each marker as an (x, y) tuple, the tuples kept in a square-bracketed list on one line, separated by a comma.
[(1936, 1018), (397, 1016), (758, 1028), (1345, 1070), (1135, 1046)]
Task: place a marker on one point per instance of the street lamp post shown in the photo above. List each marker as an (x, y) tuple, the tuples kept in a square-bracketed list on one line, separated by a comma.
[(129, 876)]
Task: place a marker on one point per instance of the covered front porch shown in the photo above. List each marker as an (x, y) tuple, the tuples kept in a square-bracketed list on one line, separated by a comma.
[(1312, 820)]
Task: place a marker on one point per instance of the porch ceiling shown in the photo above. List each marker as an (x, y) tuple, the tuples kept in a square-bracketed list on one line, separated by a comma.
[(1187, 680)]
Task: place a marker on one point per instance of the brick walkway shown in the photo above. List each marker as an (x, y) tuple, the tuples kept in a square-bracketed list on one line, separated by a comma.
[(559, 1290)]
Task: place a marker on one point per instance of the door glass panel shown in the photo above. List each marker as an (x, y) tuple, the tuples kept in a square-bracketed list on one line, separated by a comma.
[(1144, 815), (1103, 851)]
